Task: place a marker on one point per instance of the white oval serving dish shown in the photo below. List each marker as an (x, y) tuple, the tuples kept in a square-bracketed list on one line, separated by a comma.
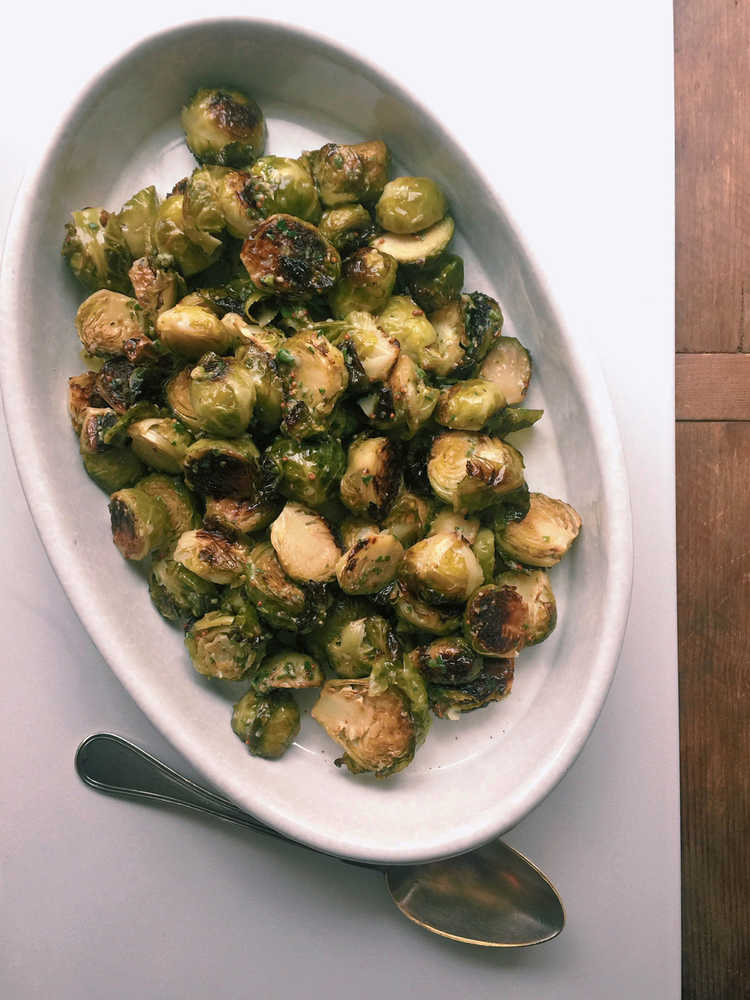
[(473, 779)]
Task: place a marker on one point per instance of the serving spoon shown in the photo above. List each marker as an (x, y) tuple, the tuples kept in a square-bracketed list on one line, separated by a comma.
[(492, 896)]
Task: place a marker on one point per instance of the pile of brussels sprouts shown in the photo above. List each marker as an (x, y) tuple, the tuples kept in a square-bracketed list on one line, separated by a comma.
[(301, 420)]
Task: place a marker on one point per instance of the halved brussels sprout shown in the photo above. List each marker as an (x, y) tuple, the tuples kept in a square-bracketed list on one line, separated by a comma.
[(236, 203), (280, 184), (409, 517), (347, 227), (468, 405), (304, 544), (222, 394), (366, 283), (492, 684), (370, 483), (106, 320), (544, 536), (177, 499), (484, 550), (266, 723), (287, 669), (215, 467), (350, 173), (96, 251), (513, 506), (434, 286), (202, 213), (223, 126), (351, 639), (212, 556), (451, 520), (466, 328), (283, 603), (403, 319), (170, 238), (137, 219), (441, 569), (448, 661), (473, 471), (226, 644), (315, 377), (369, 564), (410, 205), (240, 517), (161, 442), (192, 329), (266, 340), (286, 256), (416, 248), (351, 529), (508, 365), (102, 429), (177, 593), (140, 523), (405, 403), (82, 395), (423, 617), (534, 587), (308, 471), (376, 352), (496, 621), (156, 286), (122, 384), (177, 394)]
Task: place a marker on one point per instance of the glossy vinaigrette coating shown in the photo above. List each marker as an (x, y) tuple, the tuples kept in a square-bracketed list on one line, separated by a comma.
[(300, 417)]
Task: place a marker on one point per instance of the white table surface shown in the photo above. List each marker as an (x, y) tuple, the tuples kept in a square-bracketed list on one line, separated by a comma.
[(569, 107)]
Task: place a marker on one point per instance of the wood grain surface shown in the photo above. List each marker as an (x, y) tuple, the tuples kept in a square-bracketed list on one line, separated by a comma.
[(712, 96)]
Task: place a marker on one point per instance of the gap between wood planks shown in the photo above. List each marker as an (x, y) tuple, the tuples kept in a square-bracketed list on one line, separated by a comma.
[(712, 386)]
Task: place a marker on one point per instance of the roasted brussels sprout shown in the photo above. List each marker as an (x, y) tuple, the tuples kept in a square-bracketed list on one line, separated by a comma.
[(353, 635), (220, 468), (236, 202), (484, 549), (122, 384), (473, 471), (266, 723), (222, 394), (496, 621), (280, 184), (410, 205), (287, 669), (369, 564), (405, 403), (137, 219), (417, 615), (202, 212), (170, 238), (106, 320), (192, 329), (544, 536), (366, 283), (416, 248), (113, 469), (370, 483), (441, 569), (376, 352), (212, 556), (269, 388), (513, 418), (96, 251), (513, 506), (304, 544), (466, 329), (448, 661), (226, 644), (350, 173), (308, 471), (140, 523), (434, 286), (451, 520), (468, 406), (177, 394), (283, 603), (534, 587), (82, 395), (347, 227), (240, 517), (156, 286), (492, 684), (508, 365), (315, 377), (177, 593), (286, 256), (223, 126), (403, 319), (351, 529), (409, 517), (177, 499), (161, 442)]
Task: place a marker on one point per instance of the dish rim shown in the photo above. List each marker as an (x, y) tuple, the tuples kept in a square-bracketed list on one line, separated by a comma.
[(588, 375)]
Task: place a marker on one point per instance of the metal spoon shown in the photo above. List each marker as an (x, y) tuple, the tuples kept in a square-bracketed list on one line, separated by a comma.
[(492, 896)]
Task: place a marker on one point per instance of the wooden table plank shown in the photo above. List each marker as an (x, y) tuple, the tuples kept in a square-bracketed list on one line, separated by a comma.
[(712, 95), (712, 386)]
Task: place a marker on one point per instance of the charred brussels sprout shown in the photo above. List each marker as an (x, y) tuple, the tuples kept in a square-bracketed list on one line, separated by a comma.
[(370, 564), (495, 621), (469, 405), (544, 536), (351, 529), (170, 237), (286, 256), (192, 329), (448, 661), (156, 286), (223, 126), (367, 280), (466, 329), (218, 468), (403, 319), (212, 556), (419, 616), (140, 523), (410, 205), (345, 174), (404, 403), (122, 384), (347, 227), (222, 395), (161, 442), (240, 517), (281, 602), (266, 723), (473, 471), (106, 320), (370, 483), (434, 286), (351, 639), (451, 520), (137, 219), (82, 394), (236, 203), (308, 471), (492, 684), (315, 377), (441, 569), (177, 593), (280, 184), (375, 352), (304, 544), (409, 517), (534, 587), (225, 644), (96, 250), (287, 669), (508, 365)]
